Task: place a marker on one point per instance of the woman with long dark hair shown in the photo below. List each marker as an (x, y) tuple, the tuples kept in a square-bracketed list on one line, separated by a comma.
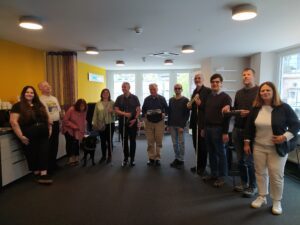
[(74, 126), (270, 128), (104, 122), (30, 122)]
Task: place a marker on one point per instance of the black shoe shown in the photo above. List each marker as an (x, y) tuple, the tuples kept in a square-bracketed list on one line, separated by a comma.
[(157, 162), (124, 163), (132, 163), (193, 169), (44, 179), (178, 164), (102, 160), (108, 160), (150, 162), (174, 163)]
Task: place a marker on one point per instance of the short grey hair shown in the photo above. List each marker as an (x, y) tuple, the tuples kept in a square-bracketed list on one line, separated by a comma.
[(153, 85)]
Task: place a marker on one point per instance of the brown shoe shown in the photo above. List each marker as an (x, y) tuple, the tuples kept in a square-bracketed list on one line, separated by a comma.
[(219, 182), (44, 179)]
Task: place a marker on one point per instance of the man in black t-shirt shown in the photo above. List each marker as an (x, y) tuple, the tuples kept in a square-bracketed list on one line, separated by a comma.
[(127, 107)]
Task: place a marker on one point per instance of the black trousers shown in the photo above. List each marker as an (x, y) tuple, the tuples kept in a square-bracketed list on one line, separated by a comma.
[(106, 138), (202, 152), (72, 145), (53, 145), (37, 151), (128, 132)]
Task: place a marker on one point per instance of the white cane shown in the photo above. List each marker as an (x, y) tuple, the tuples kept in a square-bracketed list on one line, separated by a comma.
[(197, 140), (123, 131)]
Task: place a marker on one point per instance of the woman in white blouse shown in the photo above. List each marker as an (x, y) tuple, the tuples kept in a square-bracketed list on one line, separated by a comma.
[(270, 126)]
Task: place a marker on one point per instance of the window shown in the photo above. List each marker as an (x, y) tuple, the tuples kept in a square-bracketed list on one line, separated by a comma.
[(290, 80), (183, 79), (119, 79)]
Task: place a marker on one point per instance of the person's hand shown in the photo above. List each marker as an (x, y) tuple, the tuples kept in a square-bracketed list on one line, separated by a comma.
[(180, 130), (198, 101), (225, 138), (244, 112), (226, 108), (247, 148), (132, 122), (202, 133), (127, 114), (110, 110), (278, 139), (24, 140)]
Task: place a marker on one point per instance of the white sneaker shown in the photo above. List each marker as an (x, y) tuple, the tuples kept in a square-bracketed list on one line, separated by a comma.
[(258, 202), (276, 209)]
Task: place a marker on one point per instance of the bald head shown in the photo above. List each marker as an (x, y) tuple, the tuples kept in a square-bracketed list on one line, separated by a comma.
[(198, 79), (45, 88)]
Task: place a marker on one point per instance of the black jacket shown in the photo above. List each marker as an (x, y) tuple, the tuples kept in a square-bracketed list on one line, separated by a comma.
[(194, 118), (283, 119)]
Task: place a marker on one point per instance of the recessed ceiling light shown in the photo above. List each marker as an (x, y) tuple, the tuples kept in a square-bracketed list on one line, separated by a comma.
[(92, 51), (120, 63), (244, 12), (187, 49), (30, 22), (168, 62)]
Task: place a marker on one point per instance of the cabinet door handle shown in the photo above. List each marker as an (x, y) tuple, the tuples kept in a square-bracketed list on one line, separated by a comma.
[(16, 150), (21, 160)]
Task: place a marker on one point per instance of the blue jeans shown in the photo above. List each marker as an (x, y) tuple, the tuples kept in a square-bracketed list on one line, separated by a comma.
[(245, 162), (178, 142), (216, 151)]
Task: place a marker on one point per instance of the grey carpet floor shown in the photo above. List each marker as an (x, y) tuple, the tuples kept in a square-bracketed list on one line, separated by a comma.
[(111, 195)]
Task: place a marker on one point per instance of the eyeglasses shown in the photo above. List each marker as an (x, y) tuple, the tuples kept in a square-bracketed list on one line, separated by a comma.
[(215, 81), (177, 88)]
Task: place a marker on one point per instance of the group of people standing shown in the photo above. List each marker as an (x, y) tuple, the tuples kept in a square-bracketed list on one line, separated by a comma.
[(263, 127)]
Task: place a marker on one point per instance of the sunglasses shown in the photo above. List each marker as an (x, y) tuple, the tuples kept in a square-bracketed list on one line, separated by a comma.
[(177, 88)]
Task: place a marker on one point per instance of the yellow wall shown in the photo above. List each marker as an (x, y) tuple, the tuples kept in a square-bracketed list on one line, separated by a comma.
[(19, 66), (90, 91)]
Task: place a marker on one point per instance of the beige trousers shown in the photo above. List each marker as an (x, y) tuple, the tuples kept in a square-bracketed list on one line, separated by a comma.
[(269, 168), (154, 134)]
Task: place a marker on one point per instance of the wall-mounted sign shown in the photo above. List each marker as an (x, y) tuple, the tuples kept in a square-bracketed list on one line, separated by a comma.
[(96, 77)]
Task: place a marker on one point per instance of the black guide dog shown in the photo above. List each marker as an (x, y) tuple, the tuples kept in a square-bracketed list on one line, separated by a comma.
[(88, 145)]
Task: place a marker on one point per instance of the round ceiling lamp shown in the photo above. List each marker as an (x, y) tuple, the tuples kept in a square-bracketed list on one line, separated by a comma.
[(168, 62), (244, 12), (120, 63), (187, 49), (92, 51), (30, 22)]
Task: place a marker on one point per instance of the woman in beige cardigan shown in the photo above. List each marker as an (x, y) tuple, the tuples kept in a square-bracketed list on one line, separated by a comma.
[(104, 122)]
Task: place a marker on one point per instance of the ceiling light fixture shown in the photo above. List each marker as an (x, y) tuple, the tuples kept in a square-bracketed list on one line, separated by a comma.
[(244, 12), (92, 51), (30, 22), (168, 62), (120, 63), (187, 49)]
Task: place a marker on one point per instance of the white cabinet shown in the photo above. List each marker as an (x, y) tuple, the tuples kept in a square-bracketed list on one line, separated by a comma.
[(13, 162)]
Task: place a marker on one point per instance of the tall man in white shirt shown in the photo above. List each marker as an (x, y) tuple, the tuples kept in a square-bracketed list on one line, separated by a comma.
[(53, 108)]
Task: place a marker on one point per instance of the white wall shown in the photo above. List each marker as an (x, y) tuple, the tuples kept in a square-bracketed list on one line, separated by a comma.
[(265, 65), (230, 68)]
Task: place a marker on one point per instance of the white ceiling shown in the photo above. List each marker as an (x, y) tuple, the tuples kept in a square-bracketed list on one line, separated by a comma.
[(167, 25)]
